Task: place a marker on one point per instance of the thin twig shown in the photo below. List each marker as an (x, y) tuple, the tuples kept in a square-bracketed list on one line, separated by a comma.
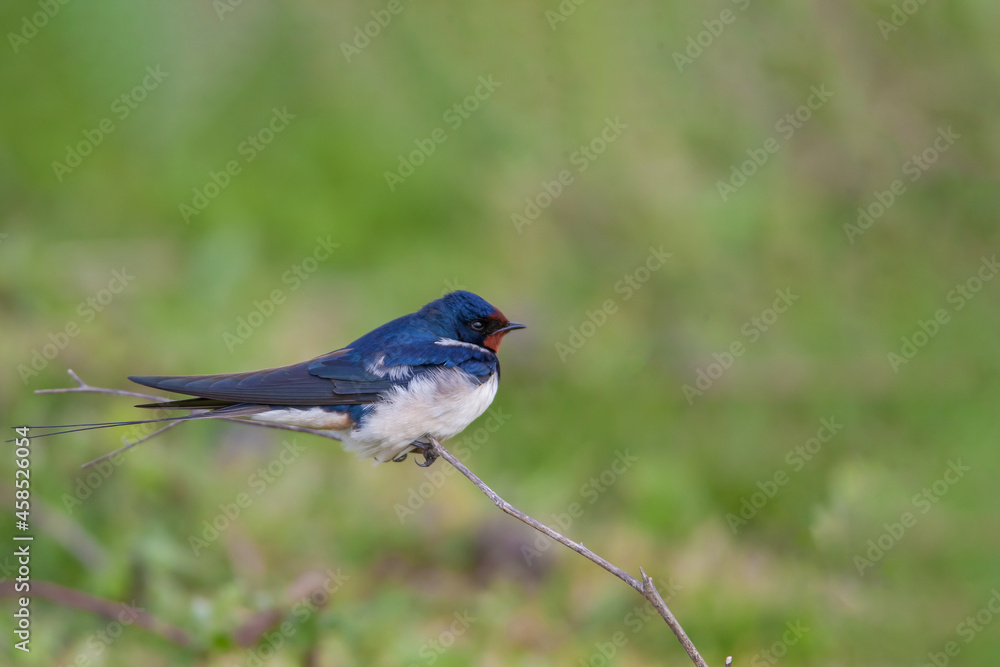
[(69, 597), (650, 593), (128, 445), (540, 527), (646, 587), (247, 634), (84, 388)]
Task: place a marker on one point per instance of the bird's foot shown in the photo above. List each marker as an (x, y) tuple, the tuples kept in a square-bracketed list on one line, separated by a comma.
[(427, 451), (400, 458)]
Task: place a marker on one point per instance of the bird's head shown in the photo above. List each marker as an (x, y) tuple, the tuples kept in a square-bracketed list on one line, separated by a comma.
[(469, 318)]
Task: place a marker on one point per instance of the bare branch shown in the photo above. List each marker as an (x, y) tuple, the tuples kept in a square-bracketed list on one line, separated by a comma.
[(129, 445), (86, 388), (646, 587), (247, 634), (650, 593), (69, 597)]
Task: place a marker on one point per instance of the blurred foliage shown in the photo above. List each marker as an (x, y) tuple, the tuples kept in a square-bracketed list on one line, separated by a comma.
[(567, 414)]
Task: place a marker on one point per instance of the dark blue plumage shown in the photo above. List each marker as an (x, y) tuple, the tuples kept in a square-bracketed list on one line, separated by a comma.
[(424, 375)]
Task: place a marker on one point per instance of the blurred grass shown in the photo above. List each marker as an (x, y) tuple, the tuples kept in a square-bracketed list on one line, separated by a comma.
[(449, 225)]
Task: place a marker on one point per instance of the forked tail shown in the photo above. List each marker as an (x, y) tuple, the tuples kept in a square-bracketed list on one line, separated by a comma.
[(74, 428), (237, 410)]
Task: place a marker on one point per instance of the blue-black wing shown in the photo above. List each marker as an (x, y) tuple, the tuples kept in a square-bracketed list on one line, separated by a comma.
[(343, 377), (341, 380)]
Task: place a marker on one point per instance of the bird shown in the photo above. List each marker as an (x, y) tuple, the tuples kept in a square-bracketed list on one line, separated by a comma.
[(420, 378)]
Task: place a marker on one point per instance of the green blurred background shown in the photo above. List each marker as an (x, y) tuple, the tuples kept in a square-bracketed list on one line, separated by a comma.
[(701, 89)]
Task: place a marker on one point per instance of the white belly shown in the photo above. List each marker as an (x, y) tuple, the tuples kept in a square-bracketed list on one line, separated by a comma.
[(315, 418), (439, 404)]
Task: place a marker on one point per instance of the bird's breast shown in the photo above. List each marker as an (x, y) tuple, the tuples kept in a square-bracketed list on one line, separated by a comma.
[(439, 403)]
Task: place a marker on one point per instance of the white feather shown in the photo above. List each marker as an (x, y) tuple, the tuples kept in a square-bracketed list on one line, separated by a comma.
[(451, 342), (316, 418), (439, 404)]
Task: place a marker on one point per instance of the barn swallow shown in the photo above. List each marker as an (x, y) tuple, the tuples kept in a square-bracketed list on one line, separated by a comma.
[(423, 376)]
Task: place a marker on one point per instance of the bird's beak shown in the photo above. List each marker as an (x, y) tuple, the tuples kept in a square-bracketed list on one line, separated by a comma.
[(510, 326)]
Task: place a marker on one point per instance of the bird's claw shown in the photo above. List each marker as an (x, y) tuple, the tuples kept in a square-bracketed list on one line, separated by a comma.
[(424, 449), (427, 451)]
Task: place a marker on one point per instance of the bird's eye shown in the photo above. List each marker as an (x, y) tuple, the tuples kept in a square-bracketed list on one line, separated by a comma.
[(477, 325)]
